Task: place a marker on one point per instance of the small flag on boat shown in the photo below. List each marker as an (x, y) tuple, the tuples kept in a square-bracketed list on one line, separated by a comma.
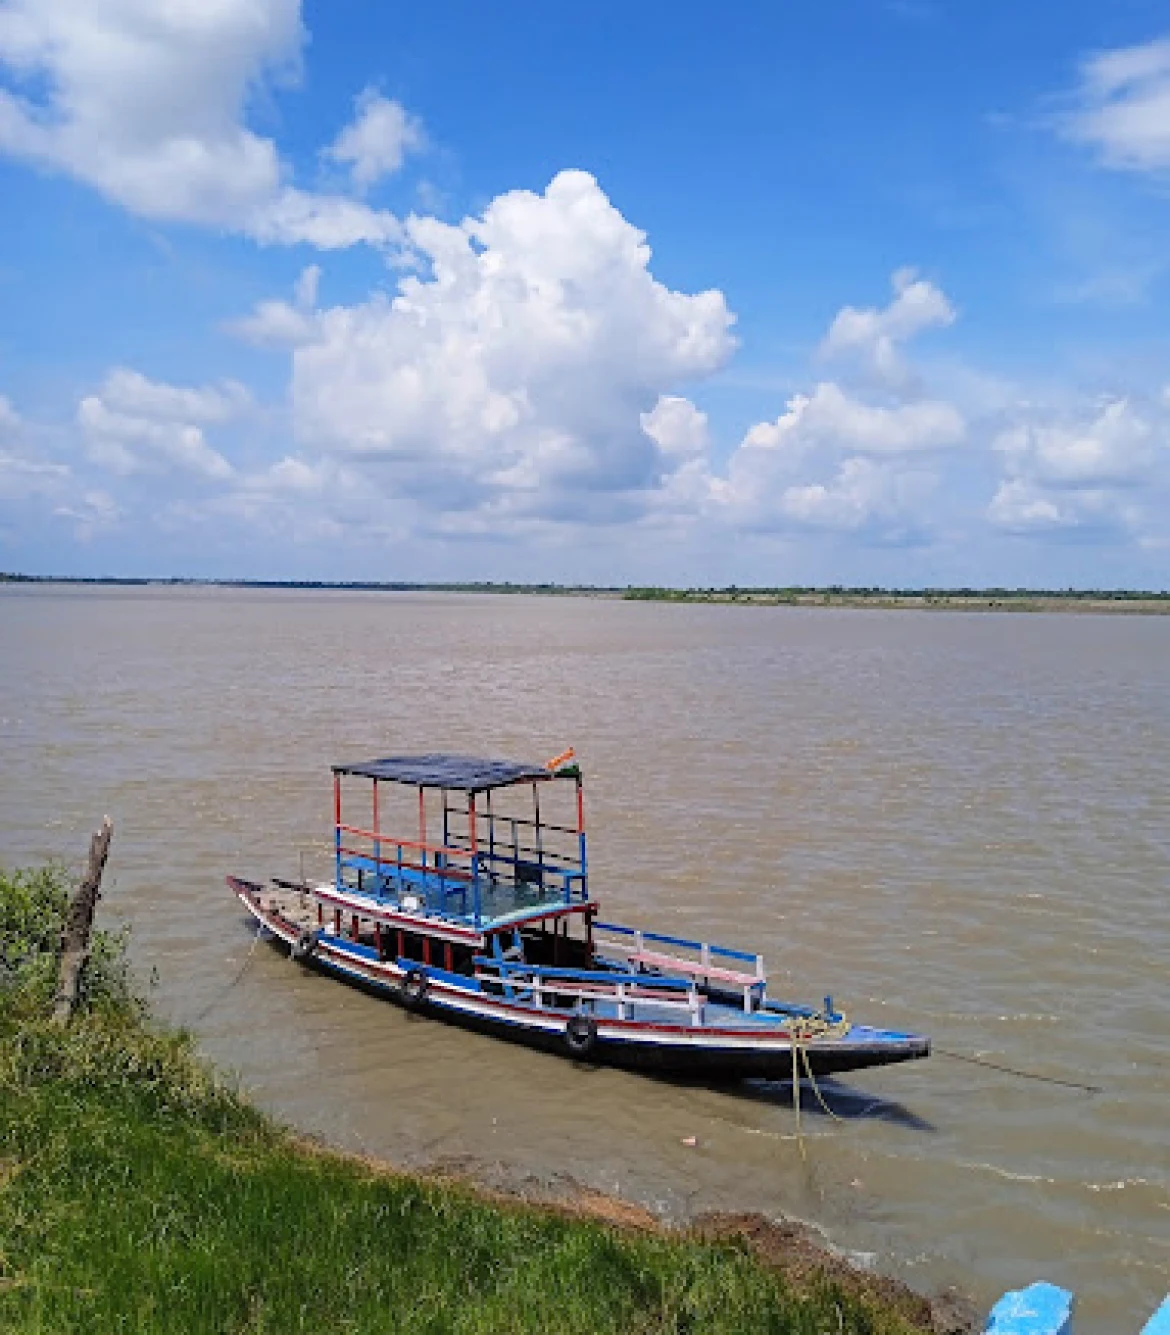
[(563, 759)]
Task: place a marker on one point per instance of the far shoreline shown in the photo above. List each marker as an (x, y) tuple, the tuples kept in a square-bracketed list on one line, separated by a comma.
[(1130, 602)]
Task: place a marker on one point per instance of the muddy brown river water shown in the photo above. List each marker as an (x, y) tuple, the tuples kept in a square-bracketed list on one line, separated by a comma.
[(952, 822)]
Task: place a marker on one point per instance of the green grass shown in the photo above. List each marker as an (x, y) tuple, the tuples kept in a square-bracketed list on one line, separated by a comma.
[(140, 1193)]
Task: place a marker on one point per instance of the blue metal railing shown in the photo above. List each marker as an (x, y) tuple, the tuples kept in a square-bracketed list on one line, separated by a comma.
[(442, 892), (681, 942)]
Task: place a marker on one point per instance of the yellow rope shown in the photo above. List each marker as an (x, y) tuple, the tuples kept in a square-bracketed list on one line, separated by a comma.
[(796, 1094), (802, 1030), (813, 1081)]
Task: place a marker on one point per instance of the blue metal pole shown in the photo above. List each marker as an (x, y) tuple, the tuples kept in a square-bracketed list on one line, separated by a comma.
[(474, 855), (581, 839)]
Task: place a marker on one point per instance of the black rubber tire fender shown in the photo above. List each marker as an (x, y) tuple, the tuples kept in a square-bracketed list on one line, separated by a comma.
[(414, 989), (581, 1035), (305, 946)]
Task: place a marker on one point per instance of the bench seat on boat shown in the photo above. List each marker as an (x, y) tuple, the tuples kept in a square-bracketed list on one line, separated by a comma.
[(696, 968)]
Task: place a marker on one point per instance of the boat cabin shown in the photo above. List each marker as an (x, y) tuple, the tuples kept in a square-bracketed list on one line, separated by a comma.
[(444, 858)]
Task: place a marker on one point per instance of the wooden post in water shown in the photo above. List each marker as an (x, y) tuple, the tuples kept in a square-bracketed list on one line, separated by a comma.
[(79, 926)]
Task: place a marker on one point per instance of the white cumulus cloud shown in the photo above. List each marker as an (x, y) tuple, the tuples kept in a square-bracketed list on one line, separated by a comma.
[(134, 425), (280, 324), (1102, 468), (838, 458), (677, 427), (861, 493), (131, 392), (377, 140), (831, 417), (1115, 448), (146, 102), (515, 374), (875, 335)]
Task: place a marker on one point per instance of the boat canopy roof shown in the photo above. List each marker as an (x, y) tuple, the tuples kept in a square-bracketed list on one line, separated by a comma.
[(472, 774)]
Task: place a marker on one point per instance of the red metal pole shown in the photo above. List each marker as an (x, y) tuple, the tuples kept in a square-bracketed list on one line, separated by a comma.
[(337, 829)]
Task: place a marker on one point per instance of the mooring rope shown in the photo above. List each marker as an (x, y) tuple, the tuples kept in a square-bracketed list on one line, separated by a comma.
[(1013, 1070), (801, 1031), (793, 1044), (813, 1081), (219, 996)]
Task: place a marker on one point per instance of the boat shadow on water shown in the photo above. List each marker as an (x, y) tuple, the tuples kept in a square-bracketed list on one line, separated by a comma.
[(841, 1100)]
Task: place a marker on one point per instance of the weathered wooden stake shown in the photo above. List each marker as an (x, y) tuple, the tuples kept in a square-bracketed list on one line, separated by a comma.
[(79, 925)]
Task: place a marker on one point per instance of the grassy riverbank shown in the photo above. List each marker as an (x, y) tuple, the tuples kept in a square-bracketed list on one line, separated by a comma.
[(140, 1193)]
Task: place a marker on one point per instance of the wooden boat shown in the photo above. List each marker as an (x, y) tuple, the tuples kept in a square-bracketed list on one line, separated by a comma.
[(490, 923)]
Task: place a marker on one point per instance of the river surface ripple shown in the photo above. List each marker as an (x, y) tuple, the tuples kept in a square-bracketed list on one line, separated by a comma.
[(952, 822)]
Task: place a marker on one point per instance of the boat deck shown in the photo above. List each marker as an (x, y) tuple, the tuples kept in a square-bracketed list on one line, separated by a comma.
[(298, 908), (501, 901)]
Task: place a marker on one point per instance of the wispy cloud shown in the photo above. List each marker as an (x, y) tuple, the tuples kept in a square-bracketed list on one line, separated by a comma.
[(1122, 107)]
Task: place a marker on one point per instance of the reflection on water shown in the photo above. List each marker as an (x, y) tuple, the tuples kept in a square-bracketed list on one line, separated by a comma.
[(954, 823)]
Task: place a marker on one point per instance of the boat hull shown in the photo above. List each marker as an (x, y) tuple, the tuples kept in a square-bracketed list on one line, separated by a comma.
[(681, 1051)]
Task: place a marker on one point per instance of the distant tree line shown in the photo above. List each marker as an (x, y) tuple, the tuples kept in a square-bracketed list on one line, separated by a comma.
[(791, 593), (643, 593)]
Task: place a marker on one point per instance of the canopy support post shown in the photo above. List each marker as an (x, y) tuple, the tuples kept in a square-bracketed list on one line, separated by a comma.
[(581, 838), (337, 829), (474, 854), (539, 840), (377, 846), (491, 824)]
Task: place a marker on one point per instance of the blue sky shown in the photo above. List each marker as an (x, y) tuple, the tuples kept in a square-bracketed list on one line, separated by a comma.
[(873, 291)]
